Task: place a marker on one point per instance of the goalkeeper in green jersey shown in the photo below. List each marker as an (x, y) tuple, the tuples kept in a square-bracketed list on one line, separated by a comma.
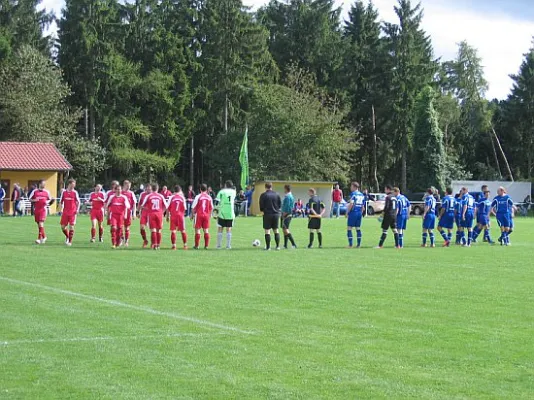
[(226, 213)]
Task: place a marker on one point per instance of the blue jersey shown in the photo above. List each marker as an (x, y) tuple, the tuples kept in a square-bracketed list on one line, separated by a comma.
[(458, 206), (404, 205), (430, 202), (469, 202), (448, 203), (484, 208), (502, 204), (357, 199)]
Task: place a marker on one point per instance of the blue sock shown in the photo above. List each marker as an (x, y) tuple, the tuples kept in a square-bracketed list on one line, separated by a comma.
[(469, 238), (432, 239), (444, 236), (449, 236), (359, 237), (506, 237), (476, 232), (462, 238), (424, 238), (401, 239), (349, 236), (487, 235), (458, 237)]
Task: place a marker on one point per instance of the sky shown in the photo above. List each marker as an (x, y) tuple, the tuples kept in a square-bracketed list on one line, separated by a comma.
[(501, 30)]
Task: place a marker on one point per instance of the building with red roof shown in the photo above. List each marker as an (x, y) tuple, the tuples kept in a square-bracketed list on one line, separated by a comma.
[(27, 163)]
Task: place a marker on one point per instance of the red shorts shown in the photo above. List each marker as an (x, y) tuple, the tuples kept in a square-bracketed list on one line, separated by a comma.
[(116, 219), (40, 216), (202, 222), (178, 223), (98, 215), (155, 221), (143, 218), (68, 219)]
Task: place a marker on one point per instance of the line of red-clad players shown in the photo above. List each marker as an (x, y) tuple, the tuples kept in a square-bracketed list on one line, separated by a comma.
[(120, 206)]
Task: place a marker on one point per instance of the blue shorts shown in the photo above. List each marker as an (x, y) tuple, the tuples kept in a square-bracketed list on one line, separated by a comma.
[(468, 221), (458, 221), (484, 220), (446, 221), (402, 220), (429, 222), (504, 220), (354, 220)]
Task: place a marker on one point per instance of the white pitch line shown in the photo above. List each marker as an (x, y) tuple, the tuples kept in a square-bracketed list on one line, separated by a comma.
[(105, 338), (147, 310)]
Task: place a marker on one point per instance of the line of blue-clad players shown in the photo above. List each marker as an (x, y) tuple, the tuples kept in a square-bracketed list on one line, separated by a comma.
[(470, 217)]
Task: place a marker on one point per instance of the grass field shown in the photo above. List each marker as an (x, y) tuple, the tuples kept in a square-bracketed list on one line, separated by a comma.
[(90, 323)]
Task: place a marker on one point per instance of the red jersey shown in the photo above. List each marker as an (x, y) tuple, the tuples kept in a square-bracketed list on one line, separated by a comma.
[(70, 202), (154, 203), (203, 205), (177, 205), (118, 205), (41, 197), (337, 195), (97, 201), (131, 199), (166, 193)]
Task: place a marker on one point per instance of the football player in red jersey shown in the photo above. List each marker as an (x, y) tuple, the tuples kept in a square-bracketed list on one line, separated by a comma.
[(97, 199), (133, 210), (40, 198), (70, 205), (176, 209), (143, 214), (118, 210), (166, 192), (155, 206), (111, 192), (201, 212)]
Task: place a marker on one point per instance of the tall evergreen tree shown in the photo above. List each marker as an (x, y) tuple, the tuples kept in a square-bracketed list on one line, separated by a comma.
[(412, 68)]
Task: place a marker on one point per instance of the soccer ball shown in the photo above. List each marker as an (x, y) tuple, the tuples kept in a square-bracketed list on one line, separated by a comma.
[(256, 243)]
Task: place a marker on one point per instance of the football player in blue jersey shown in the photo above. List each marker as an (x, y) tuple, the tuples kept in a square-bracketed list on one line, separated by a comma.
[(502, 205), (458, 217), (403, 214), (468, 216), (446, 217), (354, 214), (483, 211), (429, 218)]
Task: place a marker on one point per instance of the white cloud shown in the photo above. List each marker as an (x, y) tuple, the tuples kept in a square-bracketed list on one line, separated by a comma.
[(500, 39)]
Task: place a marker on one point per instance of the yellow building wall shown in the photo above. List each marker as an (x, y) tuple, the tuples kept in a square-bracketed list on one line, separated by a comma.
[(23, 178), (299, 190)]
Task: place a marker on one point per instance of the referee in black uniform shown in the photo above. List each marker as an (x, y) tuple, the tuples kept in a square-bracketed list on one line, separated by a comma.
[(317, 209), (389, 220), (270, 205)]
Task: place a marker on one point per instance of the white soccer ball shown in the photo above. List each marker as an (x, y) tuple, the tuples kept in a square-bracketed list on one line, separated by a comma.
[(256, 243)]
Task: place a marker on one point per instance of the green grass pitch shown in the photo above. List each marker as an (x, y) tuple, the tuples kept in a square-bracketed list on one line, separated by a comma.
[(88, 322)]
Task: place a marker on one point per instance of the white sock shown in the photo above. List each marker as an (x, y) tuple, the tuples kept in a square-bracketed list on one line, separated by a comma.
[(219, 239), (228, 239)]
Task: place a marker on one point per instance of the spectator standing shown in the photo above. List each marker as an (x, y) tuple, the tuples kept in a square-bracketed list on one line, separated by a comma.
[(337, 196), (2, 198), (248, 196), (16, 197), (190, 198), (211, 193), (166, 193)]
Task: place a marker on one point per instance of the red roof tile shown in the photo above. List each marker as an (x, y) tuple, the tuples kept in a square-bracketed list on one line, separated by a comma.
[(31, 157)]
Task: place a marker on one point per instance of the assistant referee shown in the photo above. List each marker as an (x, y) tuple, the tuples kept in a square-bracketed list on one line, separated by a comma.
[(270, 204)]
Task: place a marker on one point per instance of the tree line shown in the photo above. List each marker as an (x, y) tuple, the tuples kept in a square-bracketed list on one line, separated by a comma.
[(164, 89)]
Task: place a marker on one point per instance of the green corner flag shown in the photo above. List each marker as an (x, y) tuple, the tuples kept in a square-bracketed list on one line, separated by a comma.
[(243, 160)]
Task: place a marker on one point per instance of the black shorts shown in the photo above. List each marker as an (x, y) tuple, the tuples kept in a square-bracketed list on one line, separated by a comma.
[(271, 222), (314, 223), (285, 222), (225, 223), (389, 222)]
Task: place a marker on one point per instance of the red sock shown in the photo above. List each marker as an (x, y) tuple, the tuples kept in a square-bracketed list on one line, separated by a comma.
[(40, 235), (197, 239), (66, 233), (154, 239), (71, 235), (43, 234), (101, 232), (93, 233), (113, 235), (206, 239), (173, 238), (119, 236), (127, 235), (158, 236), (184, 238), (143, 235)]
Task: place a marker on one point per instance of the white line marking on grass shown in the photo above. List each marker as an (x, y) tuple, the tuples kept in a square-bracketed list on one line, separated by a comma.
[(130, 306), (107, 338)]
